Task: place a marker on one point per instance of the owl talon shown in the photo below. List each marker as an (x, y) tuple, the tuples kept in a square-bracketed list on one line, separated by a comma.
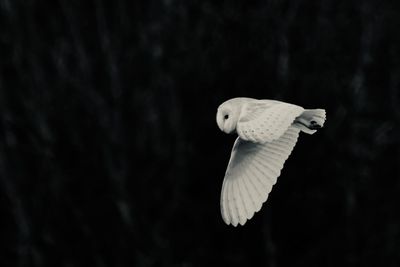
[(314, 125)]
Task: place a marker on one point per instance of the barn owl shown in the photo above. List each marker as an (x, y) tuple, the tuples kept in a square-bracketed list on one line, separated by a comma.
[(267, 132)]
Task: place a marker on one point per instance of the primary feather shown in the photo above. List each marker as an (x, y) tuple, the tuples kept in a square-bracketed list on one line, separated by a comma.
[(268, 131)]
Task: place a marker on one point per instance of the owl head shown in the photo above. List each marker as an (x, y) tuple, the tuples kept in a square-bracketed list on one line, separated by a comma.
[(228, 114)]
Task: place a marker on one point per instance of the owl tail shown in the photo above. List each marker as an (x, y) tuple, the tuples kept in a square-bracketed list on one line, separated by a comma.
[(310, 120)]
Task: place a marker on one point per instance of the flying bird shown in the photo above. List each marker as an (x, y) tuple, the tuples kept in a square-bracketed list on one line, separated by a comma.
[(267, 133)]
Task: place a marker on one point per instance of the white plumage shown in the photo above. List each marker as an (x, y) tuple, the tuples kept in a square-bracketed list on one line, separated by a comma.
[(268, 131)]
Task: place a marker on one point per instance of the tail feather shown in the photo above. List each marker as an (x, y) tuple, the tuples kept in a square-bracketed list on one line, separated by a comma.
[(311, 120)]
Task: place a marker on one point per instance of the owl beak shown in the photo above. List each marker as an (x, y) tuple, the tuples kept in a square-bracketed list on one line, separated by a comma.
[(222, 128), (226, 130), (220, 122)]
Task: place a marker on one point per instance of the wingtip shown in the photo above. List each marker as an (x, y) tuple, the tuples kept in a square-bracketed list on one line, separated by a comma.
[(237, 223)]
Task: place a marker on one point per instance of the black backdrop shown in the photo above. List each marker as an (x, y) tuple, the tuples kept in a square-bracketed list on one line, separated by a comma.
[(110, 154)]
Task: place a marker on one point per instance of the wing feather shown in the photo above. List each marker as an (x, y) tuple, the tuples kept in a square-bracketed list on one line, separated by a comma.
[(255, 194), (224, 203), (252, 171), (239, 202), (268, 171), (264, 121), (251, 196), (257, 185), (268, 167), (258, 177), (245, 198), (273, 157), (264, 169), (232, 205)]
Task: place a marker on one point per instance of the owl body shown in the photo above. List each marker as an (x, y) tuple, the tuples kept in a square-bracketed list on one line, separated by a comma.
[(267, 133)]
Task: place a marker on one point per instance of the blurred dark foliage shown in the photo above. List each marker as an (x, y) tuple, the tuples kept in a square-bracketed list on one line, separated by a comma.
[(110, 154)]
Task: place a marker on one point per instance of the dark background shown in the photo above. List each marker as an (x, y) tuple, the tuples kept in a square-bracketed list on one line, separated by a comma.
[(110, 154)]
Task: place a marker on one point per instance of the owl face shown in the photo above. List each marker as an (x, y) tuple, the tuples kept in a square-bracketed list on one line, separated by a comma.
[(227, 116)]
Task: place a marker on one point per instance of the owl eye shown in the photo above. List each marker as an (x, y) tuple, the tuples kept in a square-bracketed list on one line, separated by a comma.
[(226, 117)]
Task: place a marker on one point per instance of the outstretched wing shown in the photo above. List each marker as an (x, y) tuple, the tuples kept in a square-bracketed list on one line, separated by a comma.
[(252, 171), (264, 120)]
